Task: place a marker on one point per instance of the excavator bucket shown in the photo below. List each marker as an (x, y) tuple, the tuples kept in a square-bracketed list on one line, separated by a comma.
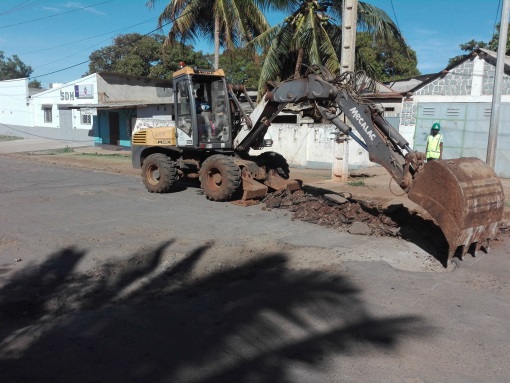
[(465, 198)]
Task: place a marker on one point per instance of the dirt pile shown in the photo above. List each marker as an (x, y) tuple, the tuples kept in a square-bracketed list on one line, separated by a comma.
[(338, 211), (342, 212)]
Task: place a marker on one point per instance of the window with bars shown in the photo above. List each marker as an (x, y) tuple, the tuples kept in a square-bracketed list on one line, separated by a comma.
[(48, 115), (86, 119)]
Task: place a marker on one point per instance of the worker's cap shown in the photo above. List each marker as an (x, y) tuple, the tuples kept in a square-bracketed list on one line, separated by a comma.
[(436, 126)]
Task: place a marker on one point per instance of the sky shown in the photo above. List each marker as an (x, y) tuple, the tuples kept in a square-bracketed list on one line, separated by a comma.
[(52, 35)]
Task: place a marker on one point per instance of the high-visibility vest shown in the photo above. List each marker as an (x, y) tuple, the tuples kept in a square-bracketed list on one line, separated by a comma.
[(434, 146)]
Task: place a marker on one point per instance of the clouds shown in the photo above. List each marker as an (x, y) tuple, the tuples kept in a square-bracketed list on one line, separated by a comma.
[(71, 6), (436, 28), (77, 5), (435, 50)]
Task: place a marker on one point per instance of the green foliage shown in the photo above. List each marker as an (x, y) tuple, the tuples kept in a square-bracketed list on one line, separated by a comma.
[(241, 67), (36, 84), (130, 54), (139, 55), (312, 35), (96, 154), (360, 182), (67, 149), (492, 45), (388, 59), (9, 138), (227, 23), (12, 67)]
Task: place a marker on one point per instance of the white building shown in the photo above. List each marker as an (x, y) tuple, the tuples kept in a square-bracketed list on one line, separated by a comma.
[(460, 99), (101, 108)]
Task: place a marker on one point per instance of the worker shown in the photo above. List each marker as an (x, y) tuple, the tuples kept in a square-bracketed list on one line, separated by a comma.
[(203, 115), (434, 149)]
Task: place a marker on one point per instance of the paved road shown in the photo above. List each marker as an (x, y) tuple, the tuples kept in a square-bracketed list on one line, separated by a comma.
[(102, 282)]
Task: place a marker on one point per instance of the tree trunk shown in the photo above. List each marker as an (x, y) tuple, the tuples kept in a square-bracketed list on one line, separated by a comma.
[(299, 61), (216, 42)]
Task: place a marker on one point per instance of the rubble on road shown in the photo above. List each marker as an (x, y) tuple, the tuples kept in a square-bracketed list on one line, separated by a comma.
[(343, 212), (337, 211)]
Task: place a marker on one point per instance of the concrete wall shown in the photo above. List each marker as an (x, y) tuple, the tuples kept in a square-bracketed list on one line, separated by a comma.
[(312, 146), (470, 82), (461, 102), (14, 112), (129, 88), (163, 112), (61, 97)]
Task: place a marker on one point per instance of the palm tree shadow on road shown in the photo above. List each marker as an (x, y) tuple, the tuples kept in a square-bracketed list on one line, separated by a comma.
[(160, 318)]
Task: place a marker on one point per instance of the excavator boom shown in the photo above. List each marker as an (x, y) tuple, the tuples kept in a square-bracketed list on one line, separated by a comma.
[(463, 195)]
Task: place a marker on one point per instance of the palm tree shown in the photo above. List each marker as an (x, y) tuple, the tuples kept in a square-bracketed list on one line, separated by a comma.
[(229, 23), (313, 34)]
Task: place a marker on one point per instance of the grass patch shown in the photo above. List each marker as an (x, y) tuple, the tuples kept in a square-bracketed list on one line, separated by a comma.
[(67, 149), (96, 154), (507, 203), (360, 182), (9, 138)]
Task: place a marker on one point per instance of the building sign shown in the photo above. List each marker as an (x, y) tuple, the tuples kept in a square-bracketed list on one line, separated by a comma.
[(66, 96), (139, 123), (84, 91), (88, 111)]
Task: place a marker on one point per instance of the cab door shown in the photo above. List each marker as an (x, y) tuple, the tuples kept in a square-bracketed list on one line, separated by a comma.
[(185, 116), (211, 105)]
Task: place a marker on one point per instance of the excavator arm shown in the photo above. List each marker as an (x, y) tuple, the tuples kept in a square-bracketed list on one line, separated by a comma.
[(464, 196), (384, 144)]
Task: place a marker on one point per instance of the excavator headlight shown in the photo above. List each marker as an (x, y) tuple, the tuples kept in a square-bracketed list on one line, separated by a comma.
[(268, 143)]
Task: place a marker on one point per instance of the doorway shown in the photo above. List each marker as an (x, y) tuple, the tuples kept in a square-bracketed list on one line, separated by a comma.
[(66, 123), (113, 118)]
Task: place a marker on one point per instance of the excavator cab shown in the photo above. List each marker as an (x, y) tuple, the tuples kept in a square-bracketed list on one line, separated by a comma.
[(202, 111)]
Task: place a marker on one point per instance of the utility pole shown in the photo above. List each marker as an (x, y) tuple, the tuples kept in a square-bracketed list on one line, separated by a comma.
[(498, 80), (349, 27)]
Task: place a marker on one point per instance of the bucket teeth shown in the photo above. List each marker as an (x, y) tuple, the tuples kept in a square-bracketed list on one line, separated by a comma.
[(466, 200), (463, 252)]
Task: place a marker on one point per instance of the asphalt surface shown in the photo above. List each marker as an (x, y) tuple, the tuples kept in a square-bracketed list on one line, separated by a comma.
[(101, 281)]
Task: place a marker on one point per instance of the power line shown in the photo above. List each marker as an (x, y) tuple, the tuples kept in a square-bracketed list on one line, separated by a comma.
[(394, 14), (20, 7), (84, 62), (88, 38), (57, 14), (496, 19), (73, 54), (60, 70)]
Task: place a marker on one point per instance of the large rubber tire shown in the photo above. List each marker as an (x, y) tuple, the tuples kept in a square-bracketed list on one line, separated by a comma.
[(273, 160), (220, 177), (159, 173)]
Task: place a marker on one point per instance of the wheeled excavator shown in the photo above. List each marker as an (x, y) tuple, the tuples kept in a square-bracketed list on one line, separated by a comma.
[(211, 137)]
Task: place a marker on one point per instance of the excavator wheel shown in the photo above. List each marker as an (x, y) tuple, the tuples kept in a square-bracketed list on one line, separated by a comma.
[(273, 160), (159, 173), (220, 177), (466, 199)]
